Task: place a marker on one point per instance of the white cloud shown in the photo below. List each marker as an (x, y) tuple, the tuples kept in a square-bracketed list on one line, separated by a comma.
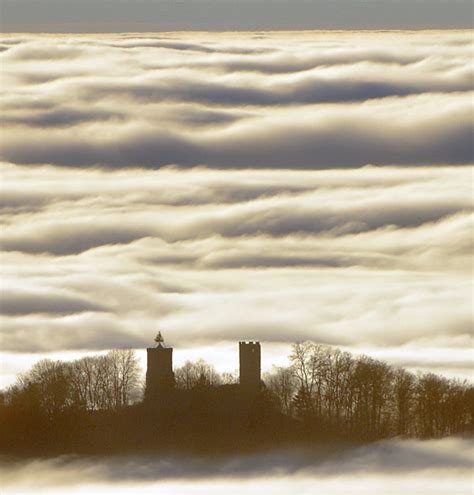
[(278, 234)]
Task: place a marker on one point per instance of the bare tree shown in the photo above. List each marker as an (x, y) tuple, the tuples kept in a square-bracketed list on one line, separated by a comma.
[(45, 385), (91, 383), (371, 387), (431, 392), (337, 380), (123, 376), (283, 384), (105, 382), (404, 385), (192, 374), (229, 378), (303, 365)]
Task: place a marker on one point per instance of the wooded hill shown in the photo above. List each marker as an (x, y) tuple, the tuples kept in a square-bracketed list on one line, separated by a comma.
[(94, 405)]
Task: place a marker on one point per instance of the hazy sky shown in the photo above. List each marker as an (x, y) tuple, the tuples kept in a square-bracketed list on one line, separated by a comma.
[(221, 187), (168, 15)]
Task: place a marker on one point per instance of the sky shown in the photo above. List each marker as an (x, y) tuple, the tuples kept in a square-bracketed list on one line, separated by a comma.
[(237, 186), (220, 15)]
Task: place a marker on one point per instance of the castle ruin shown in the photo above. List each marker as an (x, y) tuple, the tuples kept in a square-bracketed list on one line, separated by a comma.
[(160, 380)]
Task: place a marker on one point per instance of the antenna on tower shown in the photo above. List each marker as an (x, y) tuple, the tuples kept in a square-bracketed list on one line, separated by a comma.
[(159, 339)]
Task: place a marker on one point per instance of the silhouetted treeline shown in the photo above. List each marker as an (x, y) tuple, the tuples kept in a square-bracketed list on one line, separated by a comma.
[(94, 405), (198, 373), (367, 398), (97, 382)]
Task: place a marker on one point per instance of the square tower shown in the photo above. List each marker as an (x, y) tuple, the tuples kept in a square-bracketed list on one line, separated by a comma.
[(250, 368), (159, 372)]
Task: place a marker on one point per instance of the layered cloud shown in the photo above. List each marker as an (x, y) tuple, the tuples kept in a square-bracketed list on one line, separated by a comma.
[(283, 101), (279, 187), (357, 258)]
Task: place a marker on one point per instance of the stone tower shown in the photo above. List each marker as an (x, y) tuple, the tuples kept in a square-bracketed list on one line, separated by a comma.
[(249, 358), (159, 371)]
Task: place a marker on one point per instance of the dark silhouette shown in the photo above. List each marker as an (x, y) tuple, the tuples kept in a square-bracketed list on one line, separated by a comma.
[(159, 371), (250, 369), (325, 397)]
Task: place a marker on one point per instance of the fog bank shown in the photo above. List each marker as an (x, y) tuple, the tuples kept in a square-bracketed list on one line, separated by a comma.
[(389, 467)]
